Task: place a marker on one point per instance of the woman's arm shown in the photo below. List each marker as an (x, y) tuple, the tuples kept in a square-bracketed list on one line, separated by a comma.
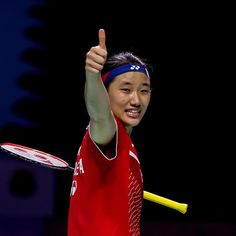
[(102, 123)]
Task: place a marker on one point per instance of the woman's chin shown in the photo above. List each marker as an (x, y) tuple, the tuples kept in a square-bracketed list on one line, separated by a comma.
[(131, 122)]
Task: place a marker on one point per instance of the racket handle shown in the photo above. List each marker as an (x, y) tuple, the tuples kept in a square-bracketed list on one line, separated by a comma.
[(181, 207)]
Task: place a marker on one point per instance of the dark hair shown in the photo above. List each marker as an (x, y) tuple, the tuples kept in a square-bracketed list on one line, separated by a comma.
[(121, 58)]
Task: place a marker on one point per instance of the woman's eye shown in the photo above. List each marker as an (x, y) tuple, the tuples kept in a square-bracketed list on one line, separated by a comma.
[(145, 91), (125, 89)]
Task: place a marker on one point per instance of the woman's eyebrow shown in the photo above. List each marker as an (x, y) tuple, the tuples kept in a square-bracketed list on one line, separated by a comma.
[(146, 84)]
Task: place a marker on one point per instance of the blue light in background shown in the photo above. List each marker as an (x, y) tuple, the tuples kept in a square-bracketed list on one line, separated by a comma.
[(14, 19)]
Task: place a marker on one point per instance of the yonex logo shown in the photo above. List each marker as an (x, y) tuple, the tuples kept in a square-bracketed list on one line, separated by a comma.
[(134, 67)]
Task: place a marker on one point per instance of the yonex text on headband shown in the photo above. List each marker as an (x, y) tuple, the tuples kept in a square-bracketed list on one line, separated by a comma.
[(107, 77)]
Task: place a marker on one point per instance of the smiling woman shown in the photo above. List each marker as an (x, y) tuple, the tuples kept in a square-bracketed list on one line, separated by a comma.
[(107, 186)]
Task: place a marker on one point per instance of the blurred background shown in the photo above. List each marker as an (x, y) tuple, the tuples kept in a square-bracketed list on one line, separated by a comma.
[(185, 142)]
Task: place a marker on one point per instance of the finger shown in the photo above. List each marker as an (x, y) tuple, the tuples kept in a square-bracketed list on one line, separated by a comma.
[(97, 54), (102, 38)]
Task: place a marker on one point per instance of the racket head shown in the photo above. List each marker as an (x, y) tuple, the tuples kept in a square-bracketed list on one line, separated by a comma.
[(35, 156)]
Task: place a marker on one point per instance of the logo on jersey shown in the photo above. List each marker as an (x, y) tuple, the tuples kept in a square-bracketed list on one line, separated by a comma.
[(73, 188), (79, 168)]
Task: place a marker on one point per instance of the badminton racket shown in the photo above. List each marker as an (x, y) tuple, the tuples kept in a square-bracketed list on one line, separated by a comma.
[(35, 156), (51, 161)]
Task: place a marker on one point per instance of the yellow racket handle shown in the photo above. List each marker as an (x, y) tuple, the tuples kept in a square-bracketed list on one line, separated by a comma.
[(181, 207)]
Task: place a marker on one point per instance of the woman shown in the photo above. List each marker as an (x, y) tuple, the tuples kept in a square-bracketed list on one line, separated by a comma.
[(107, 188)]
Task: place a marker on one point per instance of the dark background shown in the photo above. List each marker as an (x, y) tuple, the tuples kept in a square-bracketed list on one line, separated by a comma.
[(185, 142)]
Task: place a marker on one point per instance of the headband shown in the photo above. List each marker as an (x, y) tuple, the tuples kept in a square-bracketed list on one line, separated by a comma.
[(107, 77)]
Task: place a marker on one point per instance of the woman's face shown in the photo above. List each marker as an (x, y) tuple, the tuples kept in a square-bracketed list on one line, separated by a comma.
[(130, 95)]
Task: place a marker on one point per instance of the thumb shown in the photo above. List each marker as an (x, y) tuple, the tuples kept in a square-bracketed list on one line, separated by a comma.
[(102, 38)]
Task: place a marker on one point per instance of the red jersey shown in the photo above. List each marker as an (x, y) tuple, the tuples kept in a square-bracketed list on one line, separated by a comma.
[(106, 193)]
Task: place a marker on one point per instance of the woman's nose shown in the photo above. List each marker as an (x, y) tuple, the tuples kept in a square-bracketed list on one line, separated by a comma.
[(135, 100)]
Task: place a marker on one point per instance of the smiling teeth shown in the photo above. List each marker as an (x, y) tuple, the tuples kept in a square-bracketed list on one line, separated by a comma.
[(133, 111)]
